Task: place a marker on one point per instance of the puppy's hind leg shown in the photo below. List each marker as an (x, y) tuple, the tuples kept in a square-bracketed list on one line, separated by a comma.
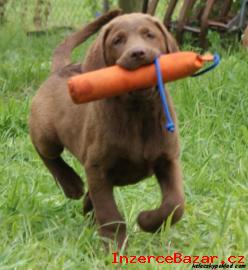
[(87, 204), (67, 178), (49, 151), (111, 224), (49, 148)]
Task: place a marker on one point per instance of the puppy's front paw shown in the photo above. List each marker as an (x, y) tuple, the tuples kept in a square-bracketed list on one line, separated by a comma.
[(73, 192), (150, 221), (115, 232)]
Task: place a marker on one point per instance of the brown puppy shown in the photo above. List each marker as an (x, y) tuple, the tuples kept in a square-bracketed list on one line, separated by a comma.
[(119, 140)]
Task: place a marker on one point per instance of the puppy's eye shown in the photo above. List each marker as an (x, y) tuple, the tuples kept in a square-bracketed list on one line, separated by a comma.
[(117, 40), (149, 35)]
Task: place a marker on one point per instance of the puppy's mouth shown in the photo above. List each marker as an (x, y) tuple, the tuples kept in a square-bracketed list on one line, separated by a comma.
[(131, 61), (132, 65)]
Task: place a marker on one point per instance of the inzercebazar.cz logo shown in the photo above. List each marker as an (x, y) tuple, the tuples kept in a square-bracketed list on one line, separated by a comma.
[(196, 262)]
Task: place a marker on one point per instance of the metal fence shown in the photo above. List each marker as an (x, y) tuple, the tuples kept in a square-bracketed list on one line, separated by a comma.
[(35, 15)]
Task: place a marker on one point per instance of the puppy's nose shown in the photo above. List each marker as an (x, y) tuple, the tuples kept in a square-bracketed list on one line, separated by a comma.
[(137, 54)]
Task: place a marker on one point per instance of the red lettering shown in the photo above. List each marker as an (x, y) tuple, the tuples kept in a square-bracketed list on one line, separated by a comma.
[(142, 259), (212, 258), (230, 261), (126, 259), (196, 259), (157, 259), (169, 259), (241, 258), (149, 258), (115, 257), (205, 259), (177, 258), (187, 259), (133, 259)]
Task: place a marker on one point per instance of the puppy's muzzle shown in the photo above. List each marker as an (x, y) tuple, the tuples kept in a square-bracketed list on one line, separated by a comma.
[(136, 57)]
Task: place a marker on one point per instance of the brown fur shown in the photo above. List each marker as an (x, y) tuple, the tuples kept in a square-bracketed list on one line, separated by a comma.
[(119, 140)]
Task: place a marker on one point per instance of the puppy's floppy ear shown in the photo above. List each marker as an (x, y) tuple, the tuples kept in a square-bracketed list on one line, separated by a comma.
[(170, 41), (95, 58)]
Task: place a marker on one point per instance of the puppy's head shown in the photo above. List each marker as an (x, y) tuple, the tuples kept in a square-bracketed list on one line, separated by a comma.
[(134, 40), (131, 41)]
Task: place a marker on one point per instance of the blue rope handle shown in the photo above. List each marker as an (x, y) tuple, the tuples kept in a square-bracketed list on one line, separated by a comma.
[(215, 64), (169, 124)]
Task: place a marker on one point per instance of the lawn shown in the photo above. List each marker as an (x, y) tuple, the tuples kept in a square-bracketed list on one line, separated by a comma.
[(41, 229)]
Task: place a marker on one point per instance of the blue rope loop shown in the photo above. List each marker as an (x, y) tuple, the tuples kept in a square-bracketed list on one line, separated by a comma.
[(161, 87), (216, 62), (169, 122)]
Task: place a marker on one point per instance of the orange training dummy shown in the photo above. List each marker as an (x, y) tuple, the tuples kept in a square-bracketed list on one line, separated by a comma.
[(115, 80)]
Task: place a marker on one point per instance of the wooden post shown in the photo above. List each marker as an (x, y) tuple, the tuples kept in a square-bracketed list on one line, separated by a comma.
[(152, 7), (2, 10), (245, 38), (38, 15), (42, 11), (129, 6), (145, 6), (105, 6)]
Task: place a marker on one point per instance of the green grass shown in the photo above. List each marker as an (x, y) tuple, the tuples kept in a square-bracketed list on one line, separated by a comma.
[(41, 229), (61, 13)]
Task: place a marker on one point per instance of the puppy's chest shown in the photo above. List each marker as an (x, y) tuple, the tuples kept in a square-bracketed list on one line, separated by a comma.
[(135, 154), (125, 171), (142, 141)]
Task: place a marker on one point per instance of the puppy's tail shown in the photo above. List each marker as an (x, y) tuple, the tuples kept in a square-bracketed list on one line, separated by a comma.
[(62, 54)]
